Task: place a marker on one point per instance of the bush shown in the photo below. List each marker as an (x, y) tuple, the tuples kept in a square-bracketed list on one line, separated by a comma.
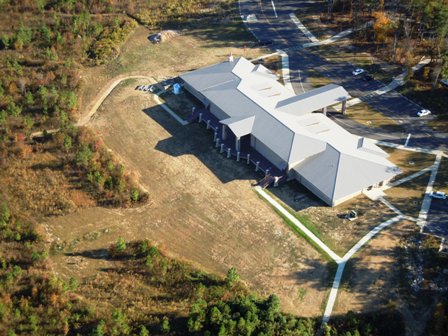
[(120, 245)]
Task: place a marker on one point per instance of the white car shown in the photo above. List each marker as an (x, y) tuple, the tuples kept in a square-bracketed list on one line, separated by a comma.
[(357, 72), (438, 194), (424, 113)]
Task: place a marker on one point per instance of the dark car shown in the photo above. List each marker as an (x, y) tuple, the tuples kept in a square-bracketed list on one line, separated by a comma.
[(367, 78), (156, 38)]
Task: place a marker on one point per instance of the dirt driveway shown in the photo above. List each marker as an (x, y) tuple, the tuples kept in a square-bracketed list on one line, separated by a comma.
[(202, 208)]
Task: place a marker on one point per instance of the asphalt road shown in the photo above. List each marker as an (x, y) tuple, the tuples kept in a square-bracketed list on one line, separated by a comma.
[(283, 34)]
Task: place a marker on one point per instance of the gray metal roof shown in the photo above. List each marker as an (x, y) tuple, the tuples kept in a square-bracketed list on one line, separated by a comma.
[(324, 153), (313, 100)]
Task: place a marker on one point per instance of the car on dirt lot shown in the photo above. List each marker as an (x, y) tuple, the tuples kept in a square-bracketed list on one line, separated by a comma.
[(438, 194), (423, 113), (155, 38), (357, 72)]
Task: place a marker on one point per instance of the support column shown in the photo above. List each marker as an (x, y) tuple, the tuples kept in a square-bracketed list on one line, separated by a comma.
[(237, 144), (248, 158), (324, 110), (238, 156), (266, 172), (224, 133), (257, 165), (208, 124), (215, 136), (228, 152), (222, 148), (344, 107), (217, 142), (200, 117)]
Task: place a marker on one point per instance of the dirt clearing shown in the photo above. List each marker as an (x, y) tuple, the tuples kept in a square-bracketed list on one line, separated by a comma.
[(202, 208)]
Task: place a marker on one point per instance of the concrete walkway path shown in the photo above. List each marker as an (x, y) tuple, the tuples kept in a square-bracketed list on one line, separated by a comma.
[(297, 223), (426, 204), (341, 265), (303, 29), (336, 37)]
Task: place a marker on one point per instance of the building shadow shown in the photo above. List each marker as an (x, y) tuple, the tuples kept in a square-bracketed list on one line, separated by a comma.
[(194, 139)]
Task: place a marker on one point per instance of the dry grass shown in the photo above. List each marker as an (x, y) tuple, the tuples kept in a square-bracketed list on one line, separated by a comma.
[(372, 278), (367, 116), (327, 222), (202, 208), (442, 176), (408, 197), (409, 162), (190, 50)]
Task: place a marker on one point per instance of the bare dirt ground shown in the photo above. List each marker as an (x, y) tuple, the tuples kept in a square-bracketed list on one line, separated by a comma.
[(371, 279), (202, 209)]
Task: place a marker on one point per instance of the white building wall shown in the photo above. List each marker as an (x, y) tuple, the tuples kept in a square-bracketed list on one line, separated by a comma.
[(267, 153)]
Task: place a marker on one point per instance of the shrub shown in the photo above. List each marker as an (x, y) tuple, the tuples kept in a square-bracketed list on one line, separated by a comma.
[(135, 195), (165, 325), (232, 276), (120, 245)]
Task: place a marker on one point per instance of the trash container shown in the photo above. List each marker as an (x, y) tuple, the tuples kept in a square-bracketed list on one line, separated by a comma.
[(177, 88)]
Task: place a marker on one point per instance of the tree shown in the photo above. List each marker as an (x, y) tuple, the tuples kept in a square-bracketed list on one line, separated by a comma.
[(143, 331), (68, 142), (84, 156), (24, 35), (100, 329), (232, 276), (165, 325), (13, 110), (29, 99), (134, 195), (5, 214), (120, 245), (40, 5)]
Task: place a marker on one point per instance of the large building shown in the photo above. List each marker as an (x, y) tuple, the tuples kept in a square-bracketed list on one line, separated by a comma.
[(253, 108)]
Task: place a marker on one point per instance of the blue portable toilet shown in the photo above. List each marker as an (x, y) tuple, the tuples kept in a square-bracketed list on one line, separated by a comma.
[(177, 88)]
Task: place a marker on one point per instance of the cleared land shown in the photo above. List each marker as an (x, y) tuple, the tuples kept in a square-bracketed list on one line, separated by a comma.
[(372, 278), (327, 222), (190, 50), (202, 209)]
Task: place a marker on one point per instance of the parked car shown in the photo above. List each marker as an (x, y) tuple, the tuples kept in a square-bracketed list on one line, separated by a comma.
[(357, 72), (352, 215), (438, 194), (423, 113), (367, 77), (155, 38)]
